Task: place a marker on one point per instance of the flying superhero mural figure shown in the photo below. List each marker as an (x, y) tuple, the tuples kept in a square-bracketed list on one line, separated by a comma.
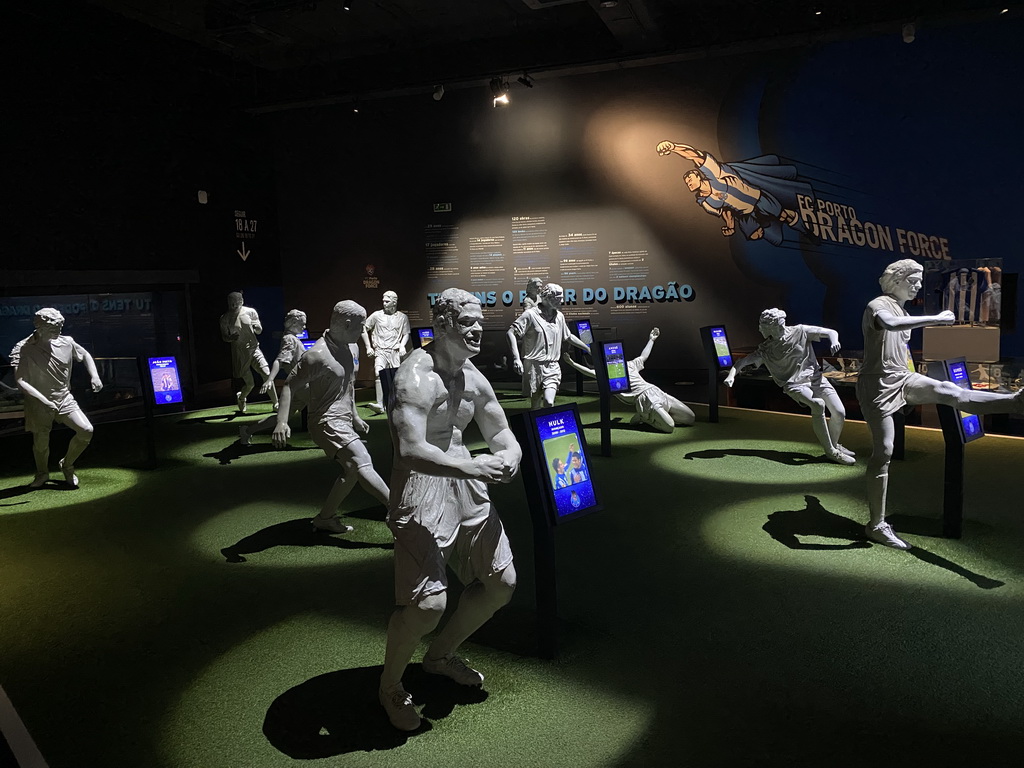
[(756, 196)]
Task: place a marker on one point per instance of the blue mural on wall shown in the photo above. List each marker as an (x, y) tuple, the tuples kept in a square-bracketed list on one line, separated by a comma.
[(869, 150), (889, 137)]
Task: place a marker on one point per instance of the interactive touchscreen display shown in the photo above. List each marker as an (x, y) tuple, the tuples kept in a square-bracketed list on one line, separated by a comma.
[(166, 385), (584, 332), (565, 458), (721, 343), (424, 336), (615, 366), (969, 422), (308, 343)]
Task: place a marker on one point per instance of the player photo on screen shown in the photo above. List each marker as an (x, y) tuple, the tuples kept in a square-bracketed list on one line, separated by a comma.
[(566, 462), (164, 374), (615, 365), (584, 332), (721, 347)]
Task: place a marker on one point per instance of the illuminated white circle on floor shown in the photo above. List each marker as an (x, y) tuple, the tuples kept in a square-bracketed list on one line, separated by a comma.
[(93, 484), (230, 714), (755, 462), (273, 535), (822, 532)]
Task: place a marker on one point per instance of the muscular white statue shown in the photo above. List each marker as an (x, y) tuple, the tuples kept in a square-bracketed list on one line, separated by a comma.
[(287, 357), (388, 330), (42, 369), (239, 327), (542, 330), (789, 357), (328, 371), (654, 407), (886, 384), (440, 512)]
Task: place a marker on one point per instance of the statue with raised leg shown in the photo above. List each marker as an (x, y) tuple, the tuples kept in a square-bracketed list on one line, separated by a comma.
[(654, 407), (542, 330), (42, 369), (440, 512), (287, 357), (239, 327), (789, 357), (886, 384), (328, 370), (385, 336)]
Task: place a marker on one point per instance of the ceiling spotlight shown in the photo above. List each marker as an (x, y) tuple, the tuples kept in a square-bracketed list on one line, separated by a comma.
[(525, 80), (499, 88), (818, 8), (346, 5), (909, 32), (438, 92)]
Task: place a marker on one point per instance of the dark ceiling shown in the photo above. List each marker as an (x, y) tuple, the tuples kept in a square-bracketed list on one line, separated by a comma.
[(280, 52)]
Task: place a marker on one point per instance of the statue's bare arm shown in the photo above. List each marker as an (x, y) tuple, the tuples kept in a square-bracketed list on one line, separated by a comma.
[(649, 346), (366, 343), (494, 426), (891, 322), (578, 343), (567, 358), (94, 375), (513, 346), (31, 391), (751, 360), (227, 333), (815, 332)]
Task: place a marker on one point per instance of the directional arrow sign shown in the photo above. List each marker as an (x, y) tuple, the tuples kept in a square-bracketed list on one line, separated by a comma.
[(243, 252)]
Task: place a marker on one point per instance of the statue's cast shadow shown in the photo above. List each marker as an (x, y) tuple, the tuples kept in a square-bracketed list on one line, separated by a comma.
[(790, 458), (294, 533), (338, 712), (21, 490), (236, 450), (217, 418), (788, 525)]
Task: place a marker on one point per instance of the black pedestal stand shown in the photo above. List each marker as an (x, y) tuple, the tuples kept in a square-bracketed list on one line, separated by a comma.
[(953, 474)]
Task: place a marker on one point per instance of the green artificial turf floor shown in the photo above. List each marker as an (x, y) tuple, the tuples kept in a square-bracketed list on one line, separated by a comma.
[(723, 609)]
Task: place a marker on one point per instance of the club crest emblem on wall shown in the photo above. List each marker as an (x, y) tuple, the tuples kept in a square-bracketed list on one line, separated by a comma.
[(371, 280)]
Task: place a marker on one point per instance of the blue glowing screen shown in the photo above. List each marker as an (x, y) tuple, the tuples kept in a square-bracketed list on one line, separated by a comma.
[(721, 347), (615, 365), (566, 462), (166, 385)]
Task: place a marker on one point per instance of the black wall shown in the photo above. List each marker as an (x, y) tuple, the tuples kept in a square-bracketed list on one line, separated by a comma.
[(116, 127)]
